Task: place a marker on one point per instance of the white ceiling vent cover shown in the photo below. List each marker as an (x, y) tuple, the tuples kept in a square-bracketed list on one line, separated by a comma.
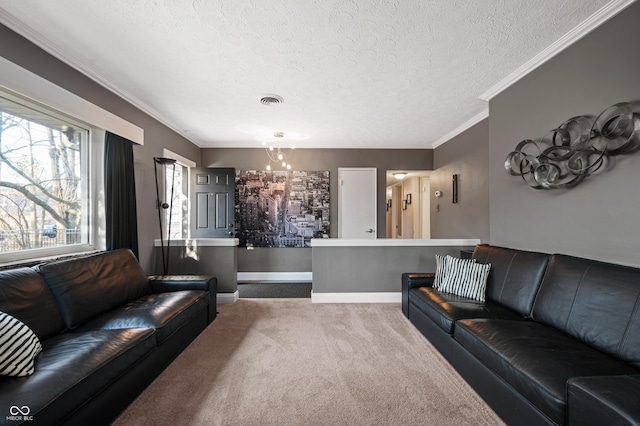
[(270, 100)]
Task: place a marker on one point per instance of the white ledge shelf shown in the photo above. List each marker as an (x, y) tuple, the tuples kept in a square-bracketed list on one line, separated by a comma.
[(200, 242), (391, 242)]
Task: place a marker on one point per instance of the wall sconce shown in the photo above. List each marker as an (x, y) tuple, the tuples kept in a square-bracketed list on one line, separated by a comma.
[(455, 189), (404, 204), (408, 198)]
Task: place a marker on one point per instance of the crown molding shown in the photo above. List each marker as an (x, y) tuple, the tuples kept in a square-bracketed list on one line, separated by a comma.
[(601, 16), (461, 128), (69, 59)]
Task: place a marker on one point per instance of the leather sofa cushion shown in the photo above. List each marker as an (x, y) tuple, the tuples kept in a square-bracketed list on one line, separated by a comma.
[(164, 312), (536, 360), (89, 286), (72, 368), (607, 400), (515, 275), (25, 296), (444, 309), (596, 302)]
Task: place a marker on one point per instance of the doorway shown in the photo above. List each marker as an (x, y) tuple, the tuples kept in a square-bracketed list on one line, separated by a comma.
[(394, 211), (408, 205), (425, 207)]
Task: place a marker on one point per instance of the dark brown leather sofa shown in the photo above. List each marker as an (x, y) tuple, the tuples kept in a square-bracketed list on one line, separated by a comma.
[(556, 342), (107, 331)]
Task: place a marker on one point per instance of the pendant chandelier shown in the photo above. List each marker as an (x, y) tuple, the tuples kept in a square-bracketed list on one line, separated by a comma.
[(276, 152), (273, 141)]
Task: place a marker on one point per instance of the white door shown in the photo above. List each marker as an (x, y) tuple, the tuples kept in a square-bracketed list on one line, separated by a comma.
[(357, 216)]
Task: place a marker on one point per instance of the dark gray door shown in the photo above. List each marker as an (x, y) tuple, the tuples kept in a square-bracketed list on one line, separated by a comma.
[(212, 196)]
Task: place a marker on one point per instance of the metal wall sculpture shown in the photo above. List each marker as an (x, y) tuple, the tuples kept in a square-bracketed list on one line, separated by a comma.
[(579, 147)]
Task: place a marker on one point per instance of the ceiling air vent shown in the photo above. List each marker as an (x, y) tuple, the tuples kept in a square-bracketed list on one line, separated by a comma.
[(270, 100)]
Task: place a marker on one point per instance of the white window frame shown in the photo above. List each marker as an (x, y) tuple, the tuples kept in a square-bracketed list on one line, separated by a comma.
[(21, 83)]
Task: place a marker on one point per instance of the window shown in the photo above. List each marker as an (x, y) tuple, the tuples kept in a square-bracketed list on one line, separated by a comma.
[(176, 184), (79, 127), (177, 217), (44, 181)]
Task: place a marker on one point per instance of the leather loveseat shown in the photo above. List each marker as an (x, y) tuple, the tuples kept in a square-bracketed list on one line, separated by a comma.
[(557, 340), (106, 329)]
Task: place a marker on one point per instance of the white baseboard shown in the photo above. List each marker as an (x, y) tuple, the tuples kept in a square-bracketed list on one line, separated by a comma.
[(379, 297), (227, 298), (275, 276)]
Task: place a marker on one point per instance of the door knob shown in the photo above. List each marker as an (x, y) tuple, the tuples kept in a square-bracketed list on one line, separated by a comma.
[(370, 231)]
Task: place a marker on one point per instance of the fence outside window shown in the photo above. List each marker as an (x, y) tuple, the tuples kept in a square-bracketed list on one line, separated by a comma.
[(49, 237)]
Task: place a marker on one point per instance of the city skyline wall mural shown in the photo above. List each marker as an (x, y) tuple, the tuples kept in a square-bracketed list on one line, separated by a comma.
[(281, 208)]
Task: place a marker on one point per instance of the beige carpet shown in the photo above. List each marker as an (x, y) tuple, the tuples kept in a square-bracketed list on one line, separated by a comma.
[(290, 362)]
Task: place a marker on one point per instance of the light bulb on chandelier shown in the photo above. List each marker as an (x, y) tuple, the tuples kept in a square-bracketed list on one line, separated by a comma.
[(276, 154)]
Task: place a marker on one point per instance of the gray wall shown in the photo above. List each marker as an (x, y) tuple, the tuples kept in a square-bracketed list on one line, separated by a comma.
[(599, 218), (288, 260), (157, 136), (281, 259), (221, 262), (468, 156), (372, 269)]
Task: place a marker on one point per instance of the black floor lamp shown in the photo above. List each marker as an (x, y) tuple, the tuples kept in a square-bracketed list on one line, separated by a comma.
[(162, 205)]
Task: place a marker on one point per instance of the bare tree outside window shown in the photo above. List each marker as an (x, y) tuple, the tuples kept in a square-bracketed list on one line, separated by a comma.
[(177, 216), (40, 179)]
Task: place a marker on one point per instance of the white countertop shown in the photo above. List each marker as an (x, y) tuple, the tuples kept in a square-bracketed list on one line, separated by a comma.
[(391, 242), (330, 242), (200, 242)]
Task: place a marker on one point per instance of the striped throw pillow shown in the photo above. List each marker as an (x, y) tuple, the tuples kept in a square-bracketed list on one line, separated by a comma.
[(18, 347), (465, 277), (440, 267)]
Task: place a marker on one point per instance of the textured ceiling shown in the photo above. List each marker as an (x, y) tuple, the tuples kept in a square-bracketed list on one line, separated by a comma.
[(353, 73)]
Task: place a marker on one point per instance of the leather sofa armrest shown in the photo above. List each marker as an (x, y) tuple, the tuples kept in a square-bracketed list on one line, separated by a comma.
[(611, 400), (168, 283), (412, 280)]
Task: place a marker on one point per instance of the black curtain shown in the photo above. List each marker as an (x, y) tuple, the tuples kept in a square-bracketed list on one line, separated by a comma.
[(120, 194)]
